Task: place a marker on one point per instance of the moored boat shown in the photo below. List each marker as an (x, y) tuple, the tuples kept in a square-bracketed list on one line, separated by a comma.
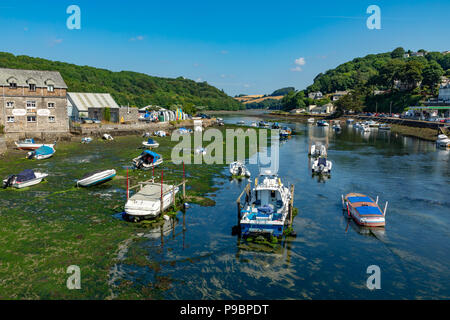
[(350, 121), (86, 140), (160, 133), (285, 132), (443, 141), (264, 124), (146, 203), (311, 120), (384, 127), (322, 123), (147, 160), (26, 178), (267, 208), (238, 169), (321, 166), (364, 210), (318, 150), (42, 153), (30, 144), (97, 177), (107, 137), (150, 143)]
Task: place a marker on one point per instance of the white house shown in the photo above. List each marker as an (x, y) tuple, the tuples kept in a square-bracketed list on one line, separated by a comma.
[(444, 93)]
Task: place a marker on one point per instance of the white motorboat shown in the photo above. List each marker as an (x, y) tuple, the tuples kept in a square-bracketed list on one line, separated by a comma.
[(150, 143), (318, 150), (311, 120), (160, 133), (267, 207), (238, 169), (26, 178), (384, 127), (42, 153), (241, 122), (96, 178), (337, 127), (443, 141), (254, 124), (107, 137), (365, 128), (322, 123), (147, 160), (86, 140), (146, 203), (350, 121), (372, 124), (322, 166), (30, 144)]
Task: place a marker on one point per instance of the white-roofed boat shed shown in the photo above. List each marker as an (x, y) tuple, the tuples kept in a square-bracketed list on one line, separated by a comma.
[(92, 105)]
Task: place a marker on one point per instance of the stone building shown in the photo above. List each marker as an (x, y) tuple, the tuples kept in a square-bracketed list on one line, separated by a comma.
[(92, 105), (33, 103)]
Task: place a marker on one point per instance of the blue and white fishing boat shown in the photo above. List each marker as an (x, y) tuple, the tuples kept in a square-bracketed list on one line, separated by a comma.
[(267, 207), (150, 143), (43, 152), (364, 210), (97, 177), (147, 160), (30, 144)]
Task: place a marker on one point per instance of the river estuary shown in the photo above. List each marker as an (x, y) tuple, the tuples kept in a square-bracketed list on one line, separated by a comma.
[(197, 257)]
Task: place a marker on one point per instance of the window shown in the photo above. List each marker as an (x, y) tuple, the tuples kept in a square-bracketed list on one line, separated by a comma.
[(51, 105), (50, 88), (31, 118), (10, 119), (51, 119), (32, 87), (31, 106), (10, 104), (13, 85)]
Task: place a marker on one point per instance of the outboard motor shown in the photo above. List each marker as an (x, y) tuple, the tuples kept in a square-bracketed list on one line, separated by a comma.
[(239, 172), (9, 181)]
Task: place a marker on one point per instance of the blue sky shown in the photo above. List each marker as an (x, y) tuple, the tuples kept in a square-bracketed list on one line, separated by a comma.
[(239, 46)]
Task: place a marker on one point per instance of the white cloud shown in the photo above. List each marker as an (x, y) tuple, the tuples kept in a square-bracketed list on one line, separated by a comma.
[(299, 62)]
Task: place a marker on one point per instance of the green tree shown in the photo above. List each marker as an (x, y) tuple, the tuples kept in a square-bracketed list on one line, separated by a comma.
[(397, 53), (432, 74)]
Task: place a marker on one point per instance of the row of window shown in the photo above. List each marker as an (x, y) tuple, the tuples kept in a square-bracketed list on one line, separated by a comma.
[(11, 119), (31, 86), (30, 104)]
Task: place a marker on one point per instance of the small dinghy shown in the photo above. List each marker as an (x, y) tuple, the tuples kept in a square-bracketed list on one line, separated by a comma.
[(322, 166), (322, 123), (147, 160), (238, 169), (150, 143), (254, 124), (30, 144), (241, 122), (276, 126), (318, 150), (160, 133), (107, 137), (364, 210), (443, 141), (96, 178), (311, 120), (285, 132), (365, 128), (200, 150), (384, 127), (26, 178), (86, 140), (42, 153)]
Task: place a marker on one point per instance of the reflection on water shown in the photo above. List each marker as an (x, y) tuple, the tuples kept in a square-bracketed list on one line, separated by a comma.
[(329, 257)]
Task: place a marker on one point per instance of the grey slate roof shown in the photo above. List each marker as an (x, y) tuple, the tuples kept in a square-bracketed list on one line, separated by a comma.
[(84, 101), (24, 77)]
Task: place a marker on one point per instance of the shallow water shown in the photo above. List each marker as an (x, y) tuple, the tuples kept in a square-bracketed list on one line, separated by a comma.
[(328, 259)]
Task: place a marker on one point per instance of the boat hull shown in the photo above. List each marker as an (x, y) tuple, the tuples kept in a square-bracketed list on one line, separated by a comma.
[(29, 183), (97, 179), (138, 206)]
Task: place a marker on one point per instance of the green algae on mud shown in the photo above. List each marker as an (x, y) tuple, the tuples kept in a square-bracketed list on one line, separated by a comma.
[(46, 228)]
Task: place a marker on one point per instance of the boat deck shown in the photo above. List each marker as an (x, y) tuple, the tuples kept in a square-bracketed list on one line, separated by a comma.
[(151, 192)]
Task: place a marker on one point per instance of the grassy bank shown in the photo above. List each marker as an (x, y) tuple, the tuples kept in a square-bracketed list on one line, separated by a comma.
[(421, 133)]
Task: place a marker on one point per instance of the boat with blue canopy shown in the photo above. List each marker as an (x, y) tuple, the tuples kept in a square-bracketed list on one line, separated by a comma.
[(150, 143), (364, 210), (43, 152), (147, 160), (26, 178)]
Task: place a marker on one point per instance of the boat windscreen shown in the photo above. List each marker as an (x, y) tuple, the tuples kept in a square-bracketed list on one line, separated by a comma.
[(322, 161), (359, 199), (25, 175)]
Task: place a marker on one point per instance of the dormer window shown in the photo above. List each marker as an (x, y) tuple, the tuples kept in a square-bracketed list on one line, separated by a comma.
[(13, 85), (50, 88), (32, 87)]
